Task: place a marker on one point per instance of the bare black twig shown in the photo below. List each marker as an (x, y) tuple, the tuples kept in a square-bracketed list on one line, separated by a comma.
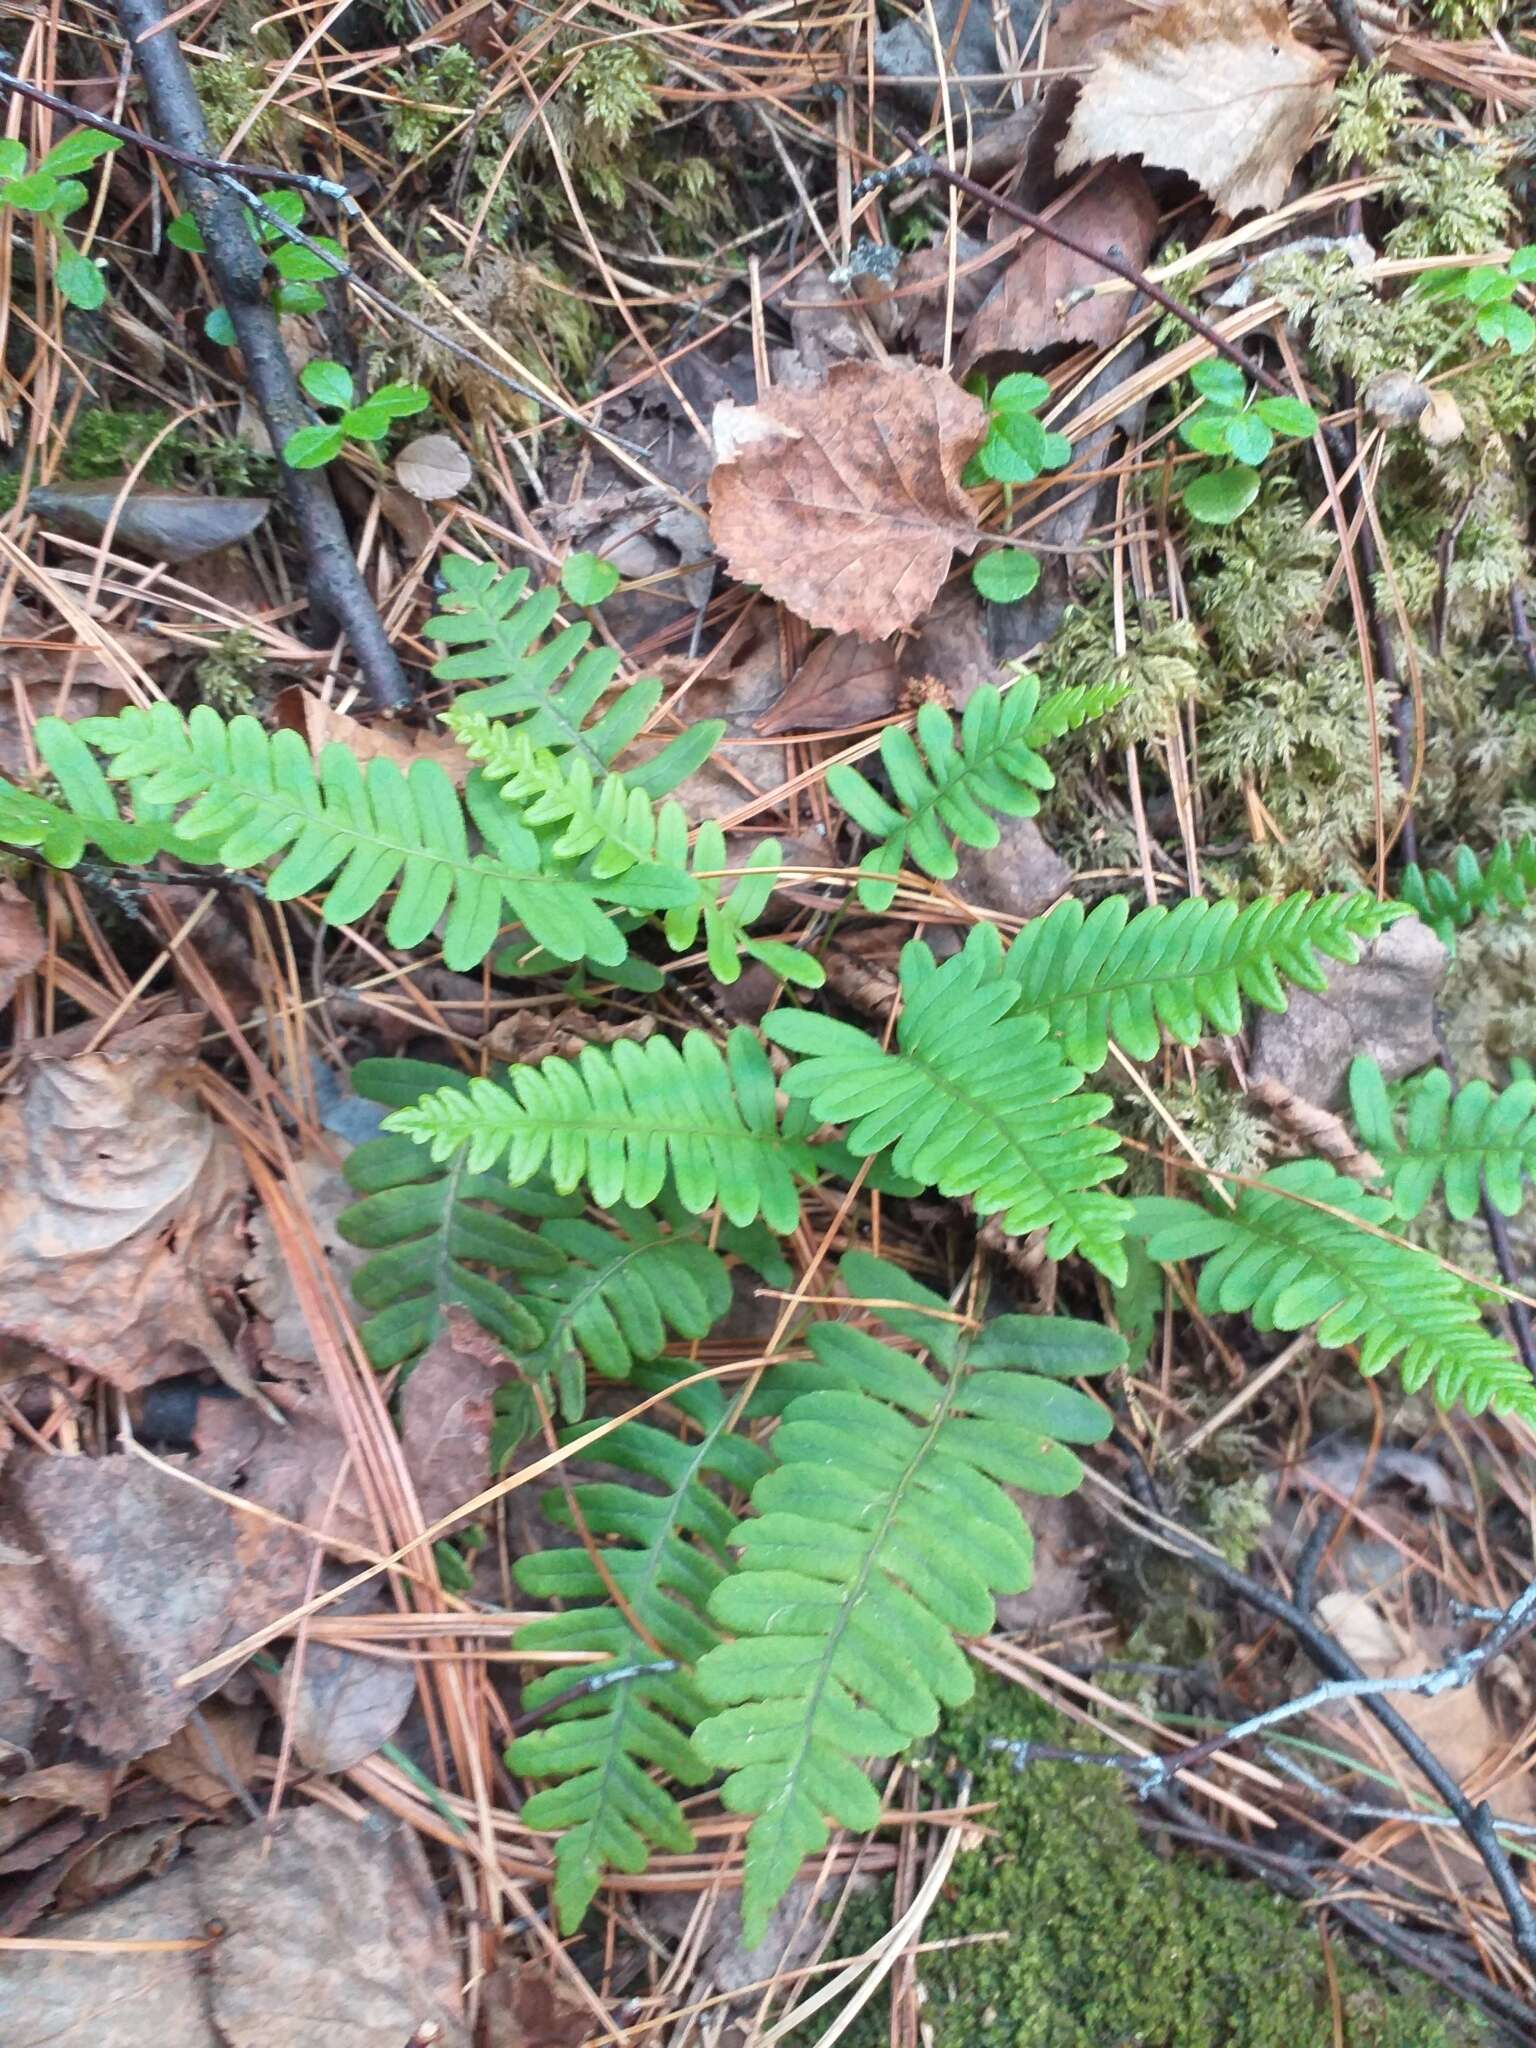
[(1347, 14), (337, 591)]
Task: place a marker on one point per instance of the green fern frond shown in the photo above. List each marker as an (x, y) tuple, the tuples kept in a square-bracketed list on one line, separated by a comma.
[(669, 1556), (61, 835), (883, 1532), (1449, 901), (620, 1117), (943, 784), (1430, 1137), (1110, 975), (502, 631), (1286, 1261), (255, 798), (613, 827), (972, 1101)]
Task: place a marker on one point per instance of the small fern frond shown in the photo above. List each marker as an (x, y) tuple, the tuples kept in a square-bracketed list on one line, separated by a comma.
[(669, 1555), (945, 784), (256, 797), (1109, 975), (501, 631), (618, 1117), (1449, 901), (882, 1533), (726, 907), (61, 835), (1429, 1137), (972, 1101), (1286, 1254)]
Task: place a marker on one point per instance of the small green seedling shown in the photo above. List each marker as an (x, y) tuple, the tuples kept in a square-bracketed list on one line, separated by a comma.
[(587, 579), (52, 190), (1234, 424), (330, 384), (1016, 451), (299, 270), (1489, 290)]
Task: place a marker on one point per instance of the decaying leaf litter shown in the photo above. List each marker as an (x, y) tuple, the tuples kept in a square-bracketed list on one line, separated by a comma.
[(819, 405)]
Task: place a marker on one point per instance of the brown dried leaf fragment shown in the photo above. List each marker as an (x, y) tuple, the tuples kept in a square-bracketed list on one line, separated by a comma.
[(1218, 89), (845, 501), (22, 946), (1028, 309), (120, 1205), (446, 1414), (173, 526), (842, 681), (139, 1578)]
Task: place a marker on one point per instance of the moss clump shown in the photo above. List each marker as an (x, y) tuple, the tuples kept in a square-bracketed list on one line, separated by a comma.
[(230, 674), (1111, 1946), (105, 443)]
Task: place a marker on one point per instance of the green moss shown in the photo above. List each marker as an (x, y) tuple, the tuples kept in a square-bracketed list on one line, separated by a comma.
[(1111, 1946), (105, 443), (229, 674)]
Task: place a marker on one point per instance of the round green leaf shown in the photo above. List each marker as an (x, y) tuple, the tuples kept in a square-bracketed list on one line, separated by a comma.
[(77, 152), (72, 196), (184, 233), (301, 265), (1485, 286), (1509, 324), (1220, 495), (1522, 265), (1223, 383), (288, 206), (298, 298), (1440, 285), (1004, 461), (328, 383), (1206, 431), (1247, 437), (1005, 575), (1021, 392), (13, 157), (36, 193), (587, 578), (400, 400), (1058, 450), (219, 328), (313, 447), (1287, 415), (974, 474), (78, 278), (366, 422)]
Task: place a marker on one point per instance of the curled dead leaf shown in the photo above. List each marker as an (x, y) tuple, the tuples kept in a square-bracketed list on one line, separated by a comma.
[(173, 526), (842, 681), (1395, 398), (1218, 89), (1032, 305), (446, 1414), (321, 725), (845, 501), (433, 466), (120, 1205), (22, 947), (1440, 422)]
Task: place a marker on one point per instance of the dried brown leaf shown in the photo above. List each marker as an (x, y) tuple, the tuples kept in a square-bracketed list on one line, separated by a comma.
[(433, 466), (333, 1931), (22, 946), (1218, 89), (446, 1413), (173, 526), (321, 726), (842, 681), (346, 1705), (141, 1577), (1441, 422), (120, 1204), (530, 2005), (290, 1462), (845, 501), (209, 1760), (1028, 309), (269, 1284)]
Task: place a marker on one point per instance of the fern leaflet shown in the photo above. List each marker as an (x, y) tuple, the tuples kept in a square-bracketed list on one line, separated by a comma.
[(1107, 975), (619, 1117), (1448, 902), (882, 1533), (1466, 1141), (972, 1101), (669, 1556), (1288, 1262), (941, 786)]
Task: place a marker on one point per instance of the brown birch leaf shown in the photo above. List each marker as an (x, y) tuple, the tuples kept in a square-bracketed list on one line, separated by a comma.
[(842, 681), (845, 501)]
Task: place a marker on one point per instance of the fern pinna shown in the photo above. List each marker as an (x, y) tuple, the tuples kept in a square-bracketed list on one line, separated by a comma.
[(1449, 900), (1432, 1139)]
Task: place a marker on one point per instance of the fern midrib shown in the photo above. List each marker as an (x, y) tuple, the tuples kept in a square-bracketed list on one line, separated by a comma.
[(860, 1583), (598, 1279), (967, 769), (548, 702), (1161, 977), (1349, 1279), (768, 1142)]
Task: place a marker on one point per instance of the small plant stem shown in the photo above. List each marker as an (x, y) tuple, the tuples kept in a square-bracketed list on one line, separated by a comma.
[(337, 592), (184, 159), (926, 166)]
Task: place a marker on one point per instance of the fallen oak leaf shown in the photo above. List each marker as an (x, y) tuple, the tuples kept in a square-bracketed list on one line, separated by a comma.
[(1218, 89), (845, 501), (1032, 306)]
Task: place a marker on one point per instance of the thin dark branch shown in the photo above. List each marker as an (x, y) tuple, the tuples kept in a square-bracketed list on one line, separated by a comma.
[(1347, 14), (923, 165), (336, 587), (1520, 626), (185, 159)]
